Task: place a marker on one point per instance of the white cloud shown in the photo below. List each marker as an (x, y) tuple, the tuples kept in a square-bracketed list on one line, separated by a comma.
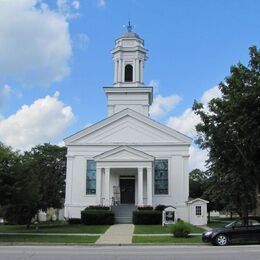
[(162, 105), (43, 121), (61, 144), (81, 41), (186, 122), (101, 3), (68, 8), (210, 94), (35, 45), (5, 92), (155, 84), (197, 158), (76, 4)]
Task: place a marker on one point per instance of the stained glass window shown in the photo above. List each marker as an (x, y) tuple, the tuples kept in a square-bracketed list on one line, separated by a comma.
[(161, 177), (91, 177)]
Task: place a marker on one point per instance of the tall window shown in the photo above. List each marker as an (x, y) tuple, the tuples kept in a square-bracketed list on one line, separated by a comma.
[(161, 177), (91, 177), (128, 73)]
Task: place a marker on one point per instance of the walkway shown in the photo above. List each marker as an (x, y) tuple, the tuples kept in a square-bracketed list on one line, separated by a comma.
[(117, 234)]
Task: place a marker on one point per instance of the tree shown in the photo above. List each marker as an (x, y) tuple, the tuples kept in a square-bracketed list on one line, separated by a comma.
[(32, 181), (197, 179), (19, 188), (202, 185), (48, 162), (230, 130)]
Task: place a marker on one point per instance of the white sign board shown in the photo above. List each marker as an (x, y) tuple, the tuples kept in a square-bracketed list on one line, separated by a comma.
[(169, 216)]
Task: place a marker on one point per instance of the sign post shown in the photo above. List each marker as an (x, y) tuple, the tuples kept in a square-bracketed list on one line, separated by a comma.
[(169, 215)]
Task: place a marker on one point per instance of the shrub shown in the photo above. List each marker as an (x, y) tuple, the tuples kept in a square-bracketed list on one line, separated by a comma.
[(147, 217), (74, 221), (1, 212), (181, 229), (145, 208), (97, 217), (19, 214), (161, 207), (97, 207)]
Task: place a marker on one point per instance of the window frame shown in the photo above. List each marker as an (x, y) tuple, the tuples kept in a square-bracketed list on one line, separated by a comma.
[(126, 74), (198, 209), (87, 181), (168, 176)]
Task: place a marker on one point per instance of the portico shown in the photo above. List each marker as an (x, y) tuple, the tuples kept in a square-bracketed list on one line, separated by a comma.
[(123, 163)]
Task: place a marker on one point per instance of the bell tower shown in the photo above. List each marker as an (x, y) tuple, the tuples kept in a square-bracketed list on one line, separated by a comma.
[(128, 90), (129, 56)]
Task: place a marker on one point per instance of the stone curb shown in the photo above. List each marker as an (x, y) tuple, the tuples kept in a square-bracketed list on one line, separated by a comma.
[(100, 245), (51, 234)]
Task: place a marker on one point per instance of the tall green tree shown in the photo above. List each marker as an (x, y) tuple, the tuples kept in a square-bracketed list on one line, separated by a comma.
[(230, 130), (31, 181), (19, 188), (48, 162), (197, 181)]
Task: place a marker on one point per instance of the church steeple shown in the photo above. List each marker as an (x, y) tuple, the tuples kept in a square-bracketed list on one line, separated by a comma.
[(129, 56), (129, 91)]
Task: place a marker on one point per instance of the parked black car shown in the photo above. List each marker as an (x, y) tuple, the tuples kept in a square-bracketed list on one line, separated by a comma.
[(234, 232)]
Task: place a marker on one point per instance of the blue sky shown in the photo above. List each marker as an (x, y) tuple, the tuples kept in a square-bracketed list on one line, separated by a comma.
[(55, 58)]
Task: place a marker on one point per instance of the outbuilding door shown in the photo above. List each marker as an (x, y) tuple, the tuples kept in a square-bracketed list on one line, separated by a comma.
[(127, 191)]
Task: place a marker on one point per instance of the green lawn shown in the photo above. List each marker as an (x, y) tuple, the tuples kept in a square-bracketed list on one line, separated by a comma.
[(167, 239), (55, 228), (216, 224), (48, 239), (158, 229)]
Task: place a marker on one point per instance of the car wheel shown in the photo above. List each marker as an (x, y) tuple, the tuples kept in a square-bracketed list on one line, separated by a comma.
[(221, 240)]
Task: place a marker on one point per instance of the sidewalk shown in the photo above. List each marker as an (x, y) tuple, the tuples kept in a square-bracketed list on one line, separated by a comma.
[(117, 234)]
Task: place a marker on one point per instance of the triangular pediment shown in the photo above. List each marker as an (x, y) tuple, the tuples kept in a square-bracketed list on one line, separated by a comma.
[(124, 153), (125, 128)]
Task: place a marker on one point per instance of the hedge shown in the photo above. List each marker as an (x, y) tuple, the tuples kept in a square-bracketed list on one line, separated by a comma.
[(97, 217), (97, 207), (74, 221), (161, 207), (147, 217), (145, 208)]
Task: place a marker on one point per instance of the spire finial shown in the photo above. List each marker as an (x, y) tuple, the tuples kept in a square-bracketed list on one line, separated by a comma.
[(129, 26)]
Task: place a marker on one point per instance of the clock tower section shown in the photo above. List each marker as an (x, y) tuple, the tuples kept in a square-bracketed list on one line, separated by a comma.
[(128, 90)]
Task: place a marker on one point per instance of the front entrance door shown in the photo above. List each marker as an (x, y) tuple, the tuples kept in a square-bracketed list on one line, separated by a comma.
[(127, 191)]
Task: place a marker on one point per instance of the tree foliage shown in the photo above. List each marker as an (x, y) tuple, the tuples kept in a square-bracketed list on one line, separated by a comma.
[(48, 162), (197, 181), (31, 181), (230, 130)]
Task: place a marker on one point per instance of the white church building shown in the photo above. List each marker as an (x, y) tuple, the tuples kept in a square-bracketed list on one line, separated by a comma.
[(128, 158)]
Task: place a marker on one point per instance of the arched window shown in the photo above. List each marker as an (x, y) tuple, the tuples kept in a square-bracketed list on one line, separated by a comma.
[(128, 73)]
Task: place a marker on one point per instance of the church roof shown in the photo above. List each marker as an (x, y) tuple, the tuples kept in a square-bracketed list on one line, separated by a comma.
[(134, 127), (130, 35)]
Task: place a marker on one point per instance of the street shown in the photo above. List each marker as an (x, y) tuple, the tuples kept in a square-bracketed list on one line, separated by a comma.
[(175, 252)]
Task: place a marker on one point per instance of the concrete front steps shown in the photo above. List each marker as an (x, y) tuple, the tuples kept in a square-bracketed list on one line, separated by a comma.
[(123, 213)]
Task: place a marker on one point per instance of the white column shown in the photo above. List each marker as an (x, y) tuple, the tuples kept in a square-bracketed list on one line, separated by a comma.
[(142, 72), (134, 71), (98, 186), (107, 185), (69, 183), (140, 187), (116, 72), (120, 71), (149, 186), (137, 70)]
